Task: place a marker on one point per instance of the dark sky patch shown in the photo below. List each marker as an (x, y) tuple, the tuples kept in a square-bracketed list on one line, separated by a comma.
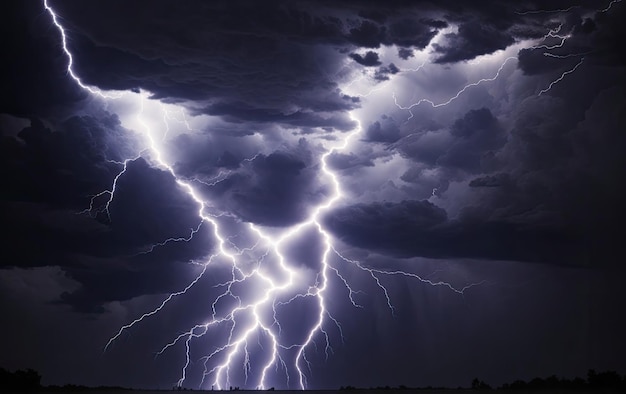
[(35, 62)]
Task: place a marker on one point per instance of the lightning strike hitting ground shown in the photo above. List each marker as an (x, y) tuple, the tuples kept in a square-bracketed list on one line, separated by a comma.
[(264, 266)]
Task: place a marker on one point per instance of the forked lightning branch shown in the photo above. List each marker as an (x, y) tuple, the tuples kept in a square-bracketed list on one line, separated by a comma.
[(256, 316)]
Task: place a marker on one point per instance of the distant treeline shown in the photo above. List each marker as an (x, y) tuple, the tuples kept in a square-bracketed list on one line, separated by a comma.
[(595, 380), (30, 380), (19, 380), (610, 380)]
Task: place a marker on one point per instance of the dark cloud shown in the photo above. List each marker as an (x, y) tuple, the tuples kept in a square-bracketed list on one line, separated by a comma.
[(50, 176), (420, 228), (103, 260), (211, 64), (370, 59), (467, 146), (474, 136), (405, 53), (490, 181), (533, 62), (587, 26), (382, 74), (596, 39), (434, 23), (557, 202), (289, 48), (273, 190), (367, 35), (64, 167), (606, 39), (241, 112), (342, 161), (513, 177), (472, 39), (170, 210), (376, 15), (203, 157), (407, 32), (399, 23), (425, 147), (556, 179), (383, 130)]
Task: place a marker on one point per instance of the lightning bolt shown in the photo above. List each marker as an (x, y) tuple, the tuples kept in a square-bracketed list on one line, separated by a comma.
[(552, 33), (456, 96), (566, 56), (192, 232), (93, 210), (264, 267), (610, 5), (70, 59), (605, 9), (559, 79), (563, 38), (548, 11)]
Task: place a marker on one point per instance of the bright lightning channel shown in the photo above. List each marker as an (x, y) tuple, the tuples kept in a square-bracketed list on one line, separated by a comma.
[(278, 289), (456, 96), (70, 58), (548, 11), (552, 33), (610, 5), (559, 79)]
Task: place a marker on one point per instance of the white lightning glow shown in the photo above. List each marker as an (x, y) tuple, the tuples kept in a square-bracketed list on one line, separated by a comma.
[(70, 59), (265, 267), (553, 33)]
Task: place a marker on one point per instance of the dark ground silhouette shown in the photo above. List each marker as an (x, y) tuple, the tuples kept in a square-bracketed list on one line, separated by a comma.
[(29, 380)]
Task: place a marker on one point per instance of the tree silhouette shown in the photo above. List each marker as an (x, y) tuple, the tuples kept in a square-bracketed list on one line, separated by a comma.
[(480, 385), (20, 380), (604, 380)]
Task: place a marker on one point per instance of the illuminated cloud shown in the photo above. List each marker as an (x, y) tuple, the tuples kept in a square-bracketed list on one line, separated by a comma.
[(422, 149)]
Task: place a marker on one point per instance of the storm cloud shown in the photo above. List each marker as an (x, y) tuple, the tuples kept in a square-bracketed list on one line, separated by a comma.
[(473, 145)]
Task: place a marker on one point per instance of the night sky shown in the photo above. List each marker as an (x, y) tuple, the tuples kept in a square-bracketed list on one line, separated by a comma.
[(326, 193)]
